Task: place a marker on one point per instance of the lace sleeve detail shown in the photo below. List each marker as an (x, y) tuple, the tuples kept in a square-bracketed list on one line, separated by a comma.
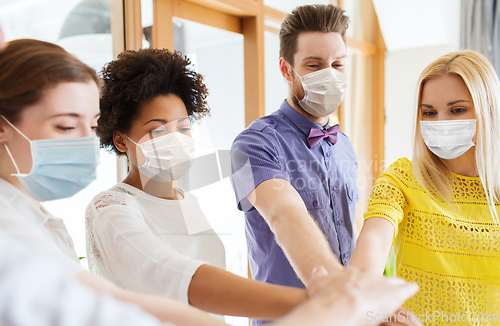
[(114, 196), (387, 199), (106, 200)]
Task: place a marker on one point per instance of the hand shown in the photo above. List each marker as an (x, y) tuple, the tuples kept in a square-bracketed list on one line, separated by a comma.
[(349, 297)]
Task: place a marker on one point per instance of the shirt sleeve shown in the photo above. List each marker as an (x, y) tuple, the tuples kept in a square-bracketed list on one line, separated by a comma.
[(387, 199), (255, 158), (34, 290), (142, 262)]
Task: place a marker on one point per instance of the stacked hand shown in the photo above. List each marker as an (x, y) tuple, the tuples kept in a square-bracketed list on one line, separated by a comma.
[(351, 297)]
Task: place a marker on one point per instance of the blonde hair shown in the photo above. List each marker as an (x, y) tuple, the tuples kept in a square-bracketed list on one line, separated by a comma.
[(482, 82)]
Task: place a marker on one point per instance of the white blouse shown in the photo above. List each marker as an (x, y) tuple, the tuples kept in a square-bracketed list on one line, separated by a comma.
[(149, 244), (45, 234)]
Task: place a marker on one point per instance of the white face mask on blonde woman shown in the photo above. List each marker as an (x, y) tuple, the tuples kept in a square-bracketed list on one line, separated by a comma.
[(448, 124)]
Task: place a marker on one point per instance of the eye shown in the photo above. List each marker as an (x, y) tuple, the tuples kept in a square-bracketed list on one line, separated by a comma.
[(184, 127), (429, 113), (157, 132), (458, 110), (65, 128)]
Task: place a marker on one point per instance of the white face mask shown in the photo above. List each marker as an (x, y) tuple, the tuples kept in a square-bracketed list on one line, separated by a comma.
[(324, 91), (448, 139), (168, 157)]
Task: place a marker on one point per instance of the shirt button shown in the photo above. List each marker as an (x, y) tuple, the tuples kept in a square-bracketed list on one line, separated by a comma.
[(339, 223), (271, 122), (334, 189), (327, 154), (315, 203), (345, 256)]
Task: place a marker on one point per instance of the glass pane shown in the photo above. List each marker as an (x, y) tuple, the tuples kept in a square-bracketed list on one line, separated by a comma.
[(362, 17), (276, 88), (358, 119), (147, 22), (218, 55), (289, 5), (83, 28)]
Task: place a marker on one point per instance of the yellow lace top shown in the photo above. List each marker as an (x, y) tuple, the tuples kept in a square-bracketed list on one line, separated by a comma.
[(453, 254)]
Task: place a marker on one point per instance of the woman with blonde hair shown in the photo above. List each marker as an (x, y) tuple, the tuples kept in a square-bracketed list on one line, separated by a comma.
[(440, 210)]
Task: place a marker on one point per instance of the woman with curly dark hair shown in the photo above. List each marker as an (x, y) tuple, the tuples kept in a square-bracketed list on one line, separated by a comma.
[(141, 232)]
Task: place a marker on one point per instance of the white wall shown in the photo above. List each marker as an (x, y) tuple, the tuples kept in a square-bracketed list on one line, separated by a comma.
[(404, 64)]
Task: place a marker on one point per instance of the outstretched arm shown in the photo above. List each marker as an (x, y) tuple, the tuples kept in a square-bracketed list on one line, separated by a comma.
[(303, 243), (373, 245), (218, 291), (206, 287)]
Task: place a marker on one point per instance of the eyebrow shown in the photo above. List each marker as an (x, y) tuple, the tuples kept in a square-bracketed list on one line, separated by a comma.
[(158, 120), (164, 121), (70, 114), (320, 58), (449, 104), (457, 101)]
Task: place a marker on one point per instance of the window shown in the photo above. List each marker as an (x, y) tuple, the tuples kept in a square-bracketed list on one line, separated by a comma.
[(83, 28)]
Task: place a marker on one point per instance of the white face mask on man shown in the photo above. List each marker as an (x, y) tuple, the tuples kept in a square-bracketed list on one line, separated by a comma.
[(324, 90), (448, 139), (168, 157)]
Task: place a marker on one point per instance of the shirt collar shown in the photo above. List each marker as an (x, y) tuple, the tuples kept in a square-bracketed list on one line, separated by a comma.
[(301, 122)]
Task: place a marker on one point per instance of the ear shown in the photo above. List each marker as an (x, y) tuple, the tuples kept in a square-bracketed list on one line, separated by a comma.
[(285, 70), (3, 131), (119, 141)]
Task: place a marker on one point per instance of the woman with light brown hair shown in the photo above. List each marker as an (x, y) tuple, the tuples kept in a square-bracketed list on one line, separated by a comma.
[(440, 210)]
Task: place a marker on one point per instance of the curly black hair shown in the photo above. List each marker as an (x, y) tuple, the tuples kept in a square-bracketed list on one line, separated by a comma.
[(136, 78)]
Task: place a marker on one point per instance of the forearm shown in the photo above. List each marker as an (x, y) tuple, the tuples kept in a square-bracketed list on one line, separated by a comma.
[(373, 245), (367, 257), (296, 232), (170, 311), (164, 309), (218, 291), (303, 243)]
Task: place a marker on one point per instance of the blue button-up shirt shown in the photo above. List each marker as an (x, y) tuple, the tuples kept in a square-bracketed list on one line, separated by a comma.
[(325, 176)]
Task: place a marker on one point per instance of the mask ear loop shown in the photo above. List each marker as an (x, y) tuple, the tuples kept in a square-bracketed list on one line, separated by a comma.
[(300, 83), (7, 147), (130, 156), (12, 159)]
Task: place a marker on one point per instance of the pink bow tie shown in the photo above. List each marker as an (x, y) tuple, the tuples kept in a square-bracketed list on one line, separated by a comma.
[(317, 135)]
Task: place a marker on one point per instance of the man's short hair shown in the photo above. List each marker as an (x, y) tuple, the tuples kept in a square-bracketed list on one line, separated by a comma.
[(310, 18)]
